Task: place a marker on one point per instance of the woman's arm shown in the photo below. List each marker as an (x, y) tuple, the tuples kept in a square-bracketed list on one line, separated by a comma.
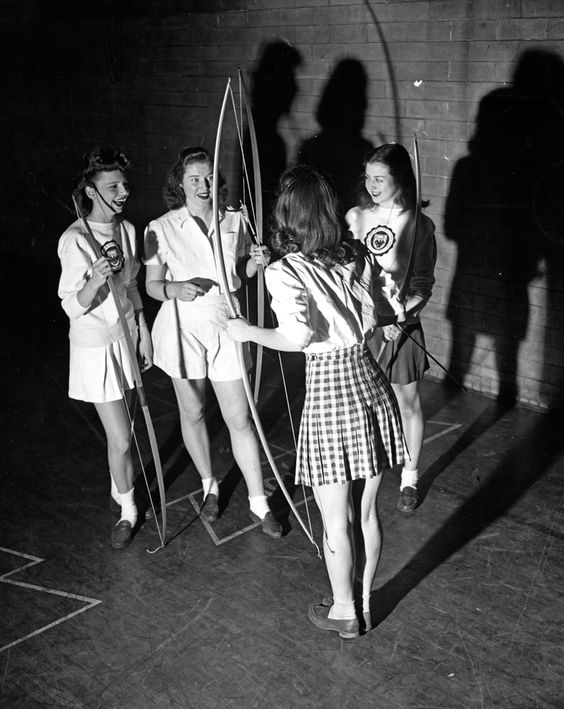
[(145, 344), (100, 272), (155, 283), (422, 276), (241, 330), (259, 255), (161, 289)]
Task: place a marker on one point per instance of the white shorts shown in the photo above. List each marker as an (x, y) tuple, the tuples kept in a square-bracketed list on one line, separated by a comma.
[(189, 341)]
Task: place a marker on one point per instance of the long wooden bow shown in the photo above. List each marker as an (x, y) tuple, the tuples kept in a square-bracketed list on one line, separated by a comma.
[(95, 246), (222, 275), (402, 296), (257, 212)]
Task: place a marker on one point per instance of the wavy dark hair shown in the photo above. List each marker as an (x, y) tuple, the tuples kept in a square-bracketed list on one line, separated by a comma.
[(396, 158), (173, 191), (93, 162), (306, 219)]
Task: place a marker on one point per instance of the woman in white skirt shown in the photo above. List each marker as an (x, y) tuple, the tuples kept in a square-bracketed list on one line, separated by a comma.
[(100, 369), (190, 343), (322, 294)]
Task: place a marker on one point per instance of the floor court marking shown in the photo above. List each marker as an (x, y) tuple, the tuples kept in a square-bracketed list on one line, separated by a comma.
[(33, 561), (270, 485), (449, 427)]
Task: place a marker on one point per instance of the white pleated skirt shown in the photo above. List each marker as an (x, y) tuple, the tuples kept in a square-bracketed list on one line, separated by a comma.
[(100, 374)]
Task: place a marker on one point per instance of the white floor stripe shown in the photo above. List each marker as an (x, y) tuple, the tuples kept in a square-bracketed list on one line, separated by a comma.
[(32, 561)]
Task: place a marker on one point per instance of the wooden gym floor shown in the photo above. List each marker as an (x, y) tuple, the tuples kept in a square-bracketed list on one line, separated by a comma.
[(467, 599)]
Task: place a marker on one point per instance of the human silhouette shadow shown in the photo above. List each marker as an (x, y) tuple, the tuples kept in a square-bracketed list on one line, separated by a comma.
[(521, 467), (498, 216), (272, 93), (338, 150)]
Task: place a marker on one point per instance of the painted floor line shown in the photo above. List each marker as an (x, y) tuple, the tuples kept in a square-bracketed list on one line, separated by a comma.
[(32, 561)]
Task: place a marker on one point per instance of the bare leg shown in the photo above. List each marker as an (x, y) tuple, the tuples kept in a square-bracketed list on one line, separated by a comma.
[(191, 398), (117, 427), (236, 414), (116, 423), (372, 536), (333, 503), (235, 410), (409, 402), (411, 411)]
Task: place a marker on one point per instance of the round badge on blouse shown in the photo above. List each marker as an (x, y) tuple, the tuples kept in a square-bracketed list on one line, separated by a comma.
[(380, 240), (113, 252)]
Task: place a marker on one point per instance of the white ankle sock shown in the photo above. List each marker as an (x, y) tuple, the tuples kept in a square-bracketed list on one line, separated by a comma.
[(259, 505), (366, 603), (342, 611), (128, 507), (210, 486), (409, 478), (114, 492)]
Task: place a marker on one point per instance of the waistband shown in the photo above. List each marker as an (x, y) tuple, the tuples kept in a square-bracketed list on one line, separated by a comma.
[(358, 350)]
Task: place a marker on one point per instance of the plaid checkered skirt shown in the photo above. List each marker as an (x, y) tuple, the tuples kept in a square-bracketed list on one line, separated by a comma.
[(351, 426)]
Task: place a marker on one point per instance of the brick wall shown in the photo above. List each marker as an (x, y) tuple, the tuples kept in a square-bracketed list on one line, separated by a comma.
[(150, 76)]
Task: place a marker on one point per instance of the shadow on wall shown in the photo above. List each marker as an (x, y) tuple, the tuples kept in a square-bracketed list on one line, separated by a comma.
[(338, 150), (273, 90), (504, 211)]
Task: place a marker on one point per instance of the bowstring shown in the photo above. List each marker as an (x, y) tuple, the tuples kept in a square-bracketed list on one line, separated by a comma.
[(245, 176), (254, 231), (247, 192)]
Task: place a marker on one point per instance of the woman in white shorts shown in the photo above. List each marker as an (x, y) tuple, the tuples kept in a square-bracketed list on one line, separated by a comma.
[(100, 369), (190, 343)]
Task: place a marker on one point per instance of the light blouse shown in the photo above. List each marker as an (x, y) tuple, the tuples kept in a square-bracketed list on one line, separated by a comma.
[(97, 324), (388, 235), (176, 241), (320, 308)]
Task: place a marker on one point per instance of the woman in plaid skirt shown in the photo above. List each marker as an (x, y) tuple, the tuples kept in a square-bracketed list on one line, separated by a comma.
[(323, 295)]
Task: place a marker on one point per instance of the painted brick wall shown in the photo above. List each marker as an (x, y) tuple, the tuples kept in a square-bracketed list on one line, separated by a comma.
[(150, 76)]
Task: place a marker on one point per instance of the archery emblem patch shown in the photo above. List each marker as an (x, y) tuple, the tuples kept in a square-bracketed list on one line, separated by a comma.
[(380, 240), (113, 252)]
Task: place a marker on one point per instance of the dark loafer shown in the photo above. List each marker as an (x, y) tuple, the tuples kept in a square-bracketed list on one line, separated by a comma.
[(121, 534), (408, 499), (327, 601), (210, 508), (319, 616), (270, 525)]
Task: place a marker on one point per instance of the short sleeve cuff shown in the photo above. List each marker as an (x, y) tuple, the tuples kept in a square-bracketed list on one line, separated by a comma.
[(72, 307)]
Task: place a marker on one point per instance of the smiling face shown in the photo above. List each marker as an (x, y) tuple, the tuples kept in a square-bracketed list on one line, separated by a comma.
[(109, 192), (197, 183), (379, 184)]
